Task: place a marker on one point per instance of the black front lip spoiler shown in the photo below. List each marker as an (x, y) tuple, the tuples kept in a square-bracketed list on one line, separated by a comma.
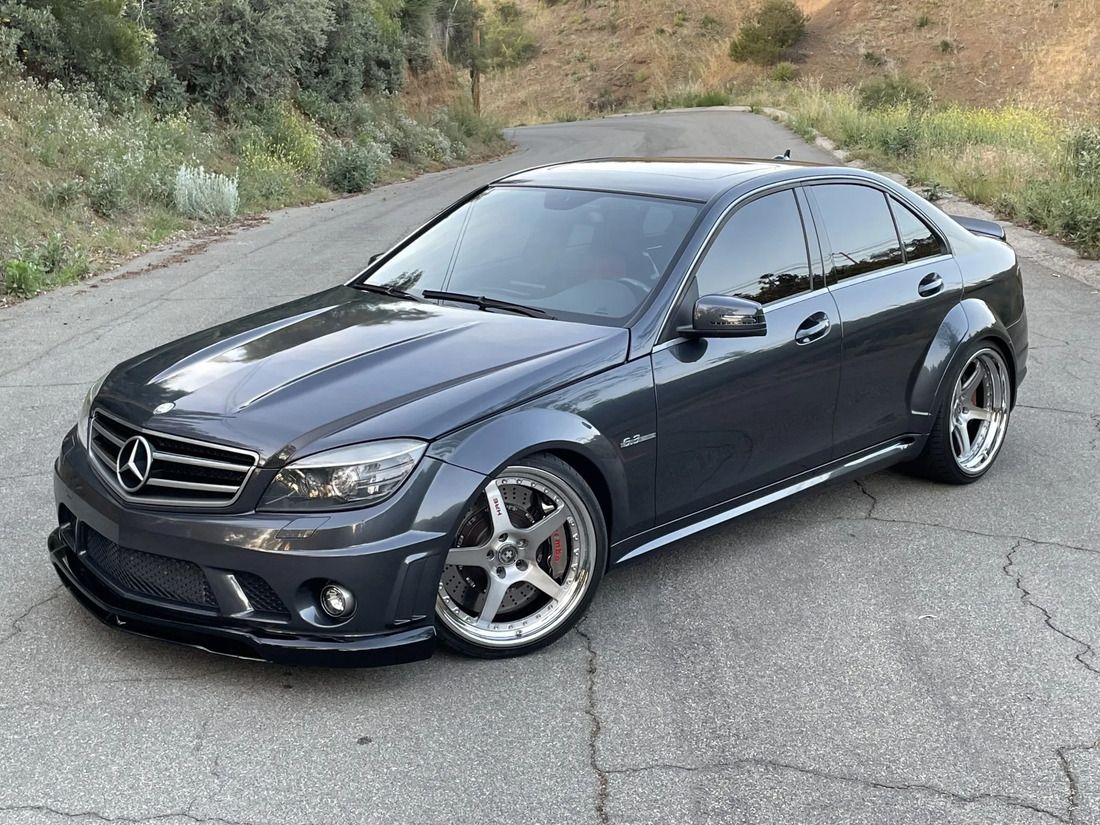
[(336, 651)]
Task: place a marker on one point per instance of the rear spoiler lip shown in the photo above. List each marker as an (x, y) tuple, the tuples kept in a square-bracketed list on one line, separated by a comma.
[(978, 226)]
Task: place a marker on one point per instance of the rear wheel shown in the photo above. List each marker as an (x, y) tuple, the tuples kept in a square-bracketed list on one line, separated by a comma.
[(972, 421), (526, 561)]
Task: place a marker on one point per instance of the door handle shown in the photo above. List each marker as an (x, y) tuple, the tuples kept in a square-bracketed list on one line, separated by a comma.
[(813, 328), (929, 285)]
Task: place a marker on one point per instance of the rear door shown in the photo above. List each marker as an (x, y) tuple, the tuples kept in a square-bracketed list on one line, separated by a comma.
[(736, 414), (894, 281)]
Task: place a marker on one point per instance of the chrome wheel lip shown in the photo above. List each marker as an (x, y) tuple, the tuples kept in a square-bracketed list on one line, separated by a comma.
[(974, 448), (581, 532)]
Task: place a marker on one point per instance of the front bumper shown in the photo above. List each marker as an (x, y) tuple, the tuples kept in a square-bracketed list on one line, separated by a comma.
[(390, 556)]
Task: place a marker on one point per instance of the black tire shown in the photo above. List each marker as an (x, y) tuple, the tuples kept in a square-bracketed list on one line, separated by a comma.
[(563, 474), (940, 460)]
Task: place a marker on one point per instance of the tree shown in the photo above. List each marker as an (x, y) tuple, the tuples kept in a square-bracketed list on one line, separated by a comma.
[(232, 50), (772, 29)]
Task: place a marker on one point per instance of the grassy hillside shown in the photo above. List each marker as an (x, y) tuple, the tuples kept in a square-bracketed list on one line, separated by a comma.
[(999, 102), (596, 55), (123, 123)]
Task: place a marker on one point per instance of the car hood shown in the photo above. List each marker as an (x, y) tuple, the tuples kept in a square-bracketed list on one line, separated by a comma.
[(301, 373)]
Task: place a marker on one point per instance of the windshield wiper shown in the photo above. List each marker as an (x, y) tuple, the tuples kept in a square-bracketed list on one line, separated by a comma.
[(381, 289), (484, 303)]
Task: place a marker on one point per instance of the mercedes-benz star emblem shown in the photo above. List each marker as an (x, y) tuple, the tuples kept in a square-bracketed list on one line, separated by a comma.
[(135, 462)]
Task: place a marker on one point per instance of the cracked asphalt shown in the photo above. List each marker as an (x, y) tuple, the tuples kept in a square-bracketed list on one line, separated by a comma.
[(888, 651)]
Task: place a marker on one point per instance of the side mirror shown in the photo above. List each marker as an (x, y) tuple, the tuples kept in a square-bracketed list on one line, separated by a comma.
[(723, 316)]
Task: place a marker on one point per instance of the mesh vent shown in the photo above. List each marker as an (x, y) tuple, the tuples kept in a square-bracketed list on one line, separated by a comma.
[(157, 577), (260, 594)]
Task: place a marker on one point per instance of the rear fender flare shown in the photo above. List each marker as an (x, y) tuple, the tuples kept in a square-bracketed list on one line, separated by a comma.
[(970, 320)]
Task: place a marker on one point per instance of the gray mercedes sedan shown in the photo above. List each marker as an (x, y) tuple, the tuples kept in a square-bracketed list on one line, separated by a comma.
[(569, 368)]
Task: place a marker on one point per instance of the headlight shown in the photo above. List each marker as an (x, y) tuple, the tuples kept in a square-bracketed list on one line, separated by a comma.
[(86, 409), (343, 478)]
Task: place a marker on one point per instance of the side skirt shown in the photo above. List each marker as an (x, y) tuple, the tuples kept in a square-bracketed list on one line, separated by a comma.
[(876, 458)]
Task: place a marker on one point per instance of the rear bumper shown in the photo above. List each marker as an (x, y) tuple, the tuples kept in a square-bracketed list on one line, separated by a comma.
[(247, 584)]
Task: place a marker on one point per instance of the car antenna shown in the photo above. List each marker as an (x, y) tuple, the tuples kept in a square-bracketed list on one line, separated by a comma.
[(785, 156)]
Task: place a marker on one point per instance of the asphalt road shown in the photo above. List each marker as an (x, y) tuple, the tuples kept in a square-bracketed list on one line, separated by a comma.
[(883, 652)]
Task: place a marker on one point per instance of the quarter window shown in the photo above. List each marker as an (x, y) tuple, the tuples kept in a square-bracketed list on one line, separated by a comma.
[(917, 238), (760, 254), (860, 229)]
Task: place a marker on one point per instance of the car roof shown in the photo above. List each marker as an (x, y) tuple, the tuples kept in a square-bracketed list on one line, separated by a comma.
[(698, 179)]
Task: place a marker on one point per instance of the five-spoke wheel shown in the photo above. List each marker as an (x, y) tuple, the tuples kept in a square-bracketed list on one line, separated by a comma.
[(973, 420), (525, 562)]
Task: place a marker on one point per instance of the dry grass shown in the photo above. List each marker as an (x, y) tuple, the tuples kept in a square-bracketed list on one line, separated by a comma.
[(599, 55)]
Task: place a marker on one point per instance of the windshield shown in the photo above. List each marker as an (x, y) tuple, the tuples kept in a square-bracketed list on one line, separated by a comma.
[(588, 256)]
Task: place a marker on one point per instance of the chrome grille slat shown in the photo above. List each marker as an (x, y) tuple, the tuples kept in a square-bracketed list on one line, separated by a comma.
[(103, 431), (198, 462), (191, 485), (101, 455), (183, 472)]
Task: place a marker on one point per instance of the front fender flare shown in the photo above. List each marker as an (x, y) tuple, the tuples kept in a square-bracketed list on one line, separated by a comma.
[(969, 320), (489, 446)]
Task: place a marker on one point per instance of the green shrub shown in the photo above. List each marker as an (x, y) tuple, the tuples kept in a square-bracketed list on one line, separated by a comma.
[(692, 100), (923, 21), (362, 53), (773, 28), (784, 72), (711, 27), (264, 180), (506, 42), (1083, 154), (29, 270), (22, 277), (106, 189), (205, 195), (948, 46), (354, 167), (232, 50), (281, 131), (92, 40), (894, 90), (9, 51)]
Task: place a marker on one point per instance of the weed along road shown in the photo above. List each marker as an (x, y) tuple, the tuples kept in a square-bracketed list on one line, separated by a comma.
[(888, 651)]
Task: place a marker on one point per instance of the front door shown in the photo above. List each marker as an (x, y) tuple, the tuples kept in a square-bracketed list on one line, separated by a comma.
[(736, 414)]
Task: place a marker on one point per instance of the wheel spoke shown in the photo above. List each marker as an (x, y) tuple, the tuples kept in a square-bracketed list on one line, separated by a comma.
[(539, 578), (493, 598), (468, 557), (537, 533), (978, 414), (963, 434), (968, 389), (502, 522)]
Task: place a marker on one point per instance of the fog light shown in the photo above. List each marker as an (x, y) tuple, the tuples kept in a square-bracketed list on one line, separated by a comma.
[(337, 601)]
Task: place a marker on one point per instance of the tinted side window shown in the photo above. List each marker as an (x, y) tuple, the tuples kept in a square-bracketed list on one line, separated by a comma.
[(760, 253), (860, 229), (917, 237)]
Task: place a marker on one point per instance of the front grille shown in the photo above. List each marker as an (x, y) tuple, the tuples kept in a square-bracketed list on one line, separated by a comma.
[(146, 574), (260, 594), (183, 472)]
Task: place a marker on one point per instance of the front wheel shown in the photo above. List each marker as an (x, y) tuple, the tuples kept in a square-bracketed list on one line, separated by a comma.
[(972, 420), (526, 561)]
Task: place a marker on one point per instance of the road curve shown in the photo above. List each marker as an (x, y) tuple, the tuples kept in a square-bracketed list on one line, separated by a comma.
[(882, 652)]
